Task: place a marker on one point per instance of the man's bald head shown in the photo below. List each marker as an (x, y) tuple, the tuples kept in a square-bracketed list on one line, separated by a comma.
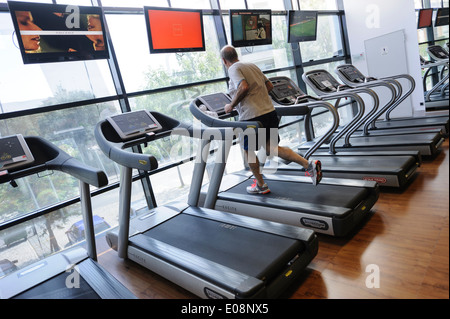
[(229, 54)]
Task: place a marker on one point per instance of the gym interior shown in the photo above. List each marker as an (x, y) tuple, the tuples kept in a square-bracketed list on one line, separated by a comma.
[(122, 178)]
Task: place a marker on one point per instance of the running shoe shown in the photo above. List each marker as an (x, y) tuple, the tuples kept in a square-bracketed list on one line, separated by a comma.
[(314, 171), (255, 189)]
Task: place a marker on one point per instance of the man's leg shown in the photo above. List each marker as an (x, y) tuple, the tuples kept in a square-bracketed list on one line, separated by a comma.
[(253, 163)]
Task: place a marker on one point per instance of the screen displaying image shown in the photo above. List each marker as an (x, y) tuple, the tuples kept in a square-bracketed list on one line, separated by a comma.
[(54, 33), (441, 17), (425, 18), (174, 30), (302, 26), (251, 27)]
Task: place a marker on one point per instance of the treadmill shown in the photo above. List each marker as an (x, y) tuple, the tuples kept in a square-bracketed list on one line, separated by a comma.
[(210, 253), (335, 207), (324, 84), (351, 75), (46, 279), (388, 169), (441, 58)]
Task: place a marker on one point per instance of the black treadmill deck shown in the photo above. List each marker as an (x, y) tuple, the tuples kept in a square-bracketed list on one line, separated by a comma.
[(322, 194), (255, 253)]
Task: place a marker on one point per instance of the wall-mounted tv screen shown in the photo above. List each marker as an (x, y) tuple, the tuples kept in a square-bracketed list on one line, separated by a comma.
[(302, 26), (55, 33), (441, 17), (250, 27), (425, 18), (174, 30)]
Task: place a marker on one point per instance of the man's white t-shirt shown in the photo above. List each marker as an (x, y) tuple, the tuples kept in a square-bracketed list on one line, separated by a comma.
[(257, 102)]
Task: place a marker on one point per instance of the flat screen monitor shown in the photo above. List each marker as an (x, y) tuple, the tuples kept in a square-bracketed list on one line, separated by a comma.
[(302, 26), (56, 33), (174, 30), (250, 27), (441, 17), (425, 18)]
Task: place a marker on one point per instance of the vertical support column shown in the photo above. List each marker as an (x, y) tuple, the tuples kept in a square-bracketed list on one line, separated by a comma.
[(124, 210), (199, 171), (217, 174), (88, 220)]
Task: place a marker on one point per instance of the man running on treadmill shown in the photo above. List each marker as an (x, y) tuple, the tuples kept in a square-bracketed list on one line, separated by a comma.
[(249, 89)]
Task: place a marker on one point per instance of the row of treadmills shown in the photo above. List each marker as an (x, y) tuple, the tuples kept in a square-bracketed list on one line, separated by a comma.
[(223, 242)]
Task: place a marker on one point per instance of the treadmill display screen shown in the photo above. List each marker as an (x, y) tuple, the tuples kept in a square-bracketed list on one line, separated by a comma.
[(133, 124), (324, 82), (438, 52), (284, 90), (14, 151), (215, 102), (352, 74)]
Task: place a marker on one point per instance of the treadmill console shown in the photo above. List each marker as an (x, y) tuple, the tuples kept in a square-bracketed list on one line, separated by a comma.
[(134, 124), (285, 92), (352, 74), (437, 52), (324, 82), (14, 152), (215, 102)]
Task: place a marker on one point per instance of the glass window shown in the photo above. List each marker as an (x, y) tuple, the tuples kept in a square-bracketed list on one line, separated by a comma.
[(318, 5), (441, 33), (76, 2), (328, 43), (266, 4), (232, 4), (73, 131), (29, 86), (43, 1), (435, 3), (180, 181), (175, 103), (135, 3), (141, 70), (418, 4), (33, 240), (193, 4), (267, 57)]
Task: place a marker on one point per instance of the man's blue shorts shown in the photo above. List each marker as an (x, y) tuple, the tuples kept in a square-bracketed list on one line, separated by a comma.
[(269, 121)]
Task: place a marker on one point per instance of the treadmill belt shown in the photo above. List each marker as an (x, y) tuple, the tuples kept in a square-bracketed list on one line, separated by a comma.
[(255, 253), (55, 288), (323, 194)]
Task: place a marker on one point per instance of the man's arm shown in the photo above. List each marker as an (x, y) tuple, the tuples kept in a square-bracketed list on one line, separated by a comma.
[(241, 93), (269, 86)]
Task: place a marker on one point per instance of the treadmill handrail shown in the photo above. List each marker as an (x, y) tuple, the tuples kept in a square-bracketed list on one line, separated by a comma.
[(367, 84), (338, 95), (215, 122), (376, 103), (289, 110), (49, 157), (399, 100)]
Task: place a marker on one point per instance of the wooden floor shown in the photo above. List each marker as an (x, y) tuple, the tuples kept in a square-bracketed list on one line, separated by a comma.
[(405, 241)]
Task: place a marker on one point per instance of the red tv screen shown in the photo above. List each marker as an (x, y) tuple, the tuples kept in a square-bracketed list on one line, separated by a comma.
[(174, 30), (425, 18)]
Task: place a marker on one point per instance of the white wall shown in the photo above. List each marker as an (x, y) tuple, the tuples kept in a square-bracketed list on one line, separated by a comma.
[(367, 19)]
